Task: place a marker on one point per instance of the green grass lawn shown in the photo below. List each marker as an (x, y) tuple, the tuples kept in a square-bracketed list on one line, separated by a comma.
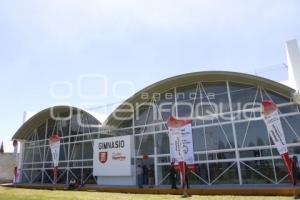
[(30, 194)]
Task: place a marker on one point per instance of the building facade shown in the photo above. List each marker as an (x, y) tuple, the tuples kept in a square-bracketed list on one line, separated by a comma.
[(230, 139)]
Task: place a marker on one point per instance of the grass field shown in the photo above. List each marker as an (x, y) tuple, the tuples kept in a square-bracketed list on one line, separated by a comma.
[(29, 194)]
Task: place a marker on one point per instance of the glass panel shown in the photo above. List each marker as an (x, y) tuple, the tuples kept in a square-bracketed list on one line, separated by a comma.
[(88, 176), (185, 100), (63, 154), (291, 127), (162, 172), (216, 171), (51, 127), (38, 154), (200, 157), (281, 171), (252, 134), (199, 139), (41, 132), (202, 171), (162, 143), (144, 145), (288, 109), (264, 168), (275, 97), (48, 176), (221, 155), (165, 159), (142, 114), (76, 151), (255, 153), (243, 96), (216, 93), (78, 174), (219, 137), (88, 150), (62, 176)]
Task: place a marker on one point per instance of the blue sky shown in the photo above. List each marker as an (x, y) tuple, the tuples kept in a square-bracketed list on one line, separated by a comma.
[(47, 42)]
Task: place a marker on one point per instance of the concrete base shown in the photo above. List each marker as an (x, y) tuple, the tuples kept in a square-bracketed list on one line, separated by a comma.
[(249, 190)]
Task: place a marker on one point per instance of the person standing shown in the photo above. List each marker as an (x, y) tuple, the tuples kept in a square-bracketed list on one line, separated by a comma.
[(139, 172), (173, 176), (145, 175), (151, 177), (295, 169)]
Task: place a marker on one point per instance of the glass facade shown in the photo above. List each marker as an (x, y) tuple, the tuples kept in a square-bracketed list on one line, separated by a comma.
[(230, 139)]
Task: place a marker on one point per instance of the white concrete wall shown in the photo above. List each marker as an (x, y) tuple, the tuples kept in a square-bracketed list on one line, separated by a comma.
[(118, 180), (7, 164)]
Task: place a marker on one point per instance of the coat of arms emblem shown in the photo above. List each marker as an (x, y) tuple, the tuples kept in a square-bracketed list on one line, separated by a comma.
[(103, 157)]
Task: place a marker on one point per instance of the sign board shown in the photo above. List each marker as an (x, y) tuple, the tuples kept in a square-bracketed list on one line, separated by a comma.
[(112, 156)]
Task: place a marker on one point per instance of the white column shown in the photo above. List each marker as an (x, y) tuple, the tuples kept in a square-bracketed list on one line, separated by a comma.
[(293, 61), (21, 159)]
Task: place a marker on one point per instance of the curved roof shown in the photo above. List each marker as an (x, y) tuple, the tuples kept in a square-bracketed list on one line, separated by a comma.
[(39, 118), (205, 76)]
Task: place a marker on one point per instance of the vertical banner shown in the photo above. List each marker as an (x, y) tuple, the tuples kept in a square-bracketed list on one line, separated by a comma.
[(181, 140), (15, 144), (54, 142), (181, 144), (274, 127)]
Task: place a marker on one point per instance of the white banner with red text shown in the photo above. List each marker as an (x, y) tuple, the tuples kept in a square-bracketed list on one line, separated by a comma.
[(181, 140), (271, 117), (54, 142)]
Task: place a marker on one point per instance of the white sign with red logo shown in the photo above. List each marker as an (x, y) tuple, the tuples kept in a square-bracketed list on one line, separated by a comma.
[(54, 142), (274, 127), (112, 156), (181, 140)]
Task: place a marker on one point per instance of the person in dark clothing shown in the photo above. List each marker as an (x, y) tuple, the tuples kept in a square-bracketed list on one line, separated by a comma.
[(139, 172), (173, 175), (72, 184), (295, 170), (186, 177), (145, 175), (151, 177)]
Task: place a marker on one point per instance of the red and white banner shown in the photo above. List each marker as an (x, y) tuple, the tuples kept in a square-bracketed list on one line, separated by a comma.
[(181, 145), (54, 142), (181, 140), (274, 127)]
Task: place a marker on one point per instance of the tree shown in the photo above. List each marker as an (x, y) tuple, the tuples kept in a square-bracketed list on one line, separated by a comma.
[(1, 148)]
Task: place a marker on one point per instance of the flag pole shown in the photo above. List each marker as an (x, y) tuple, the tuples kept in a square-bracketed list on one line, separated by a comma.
[(183, 179), (55, 170)]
